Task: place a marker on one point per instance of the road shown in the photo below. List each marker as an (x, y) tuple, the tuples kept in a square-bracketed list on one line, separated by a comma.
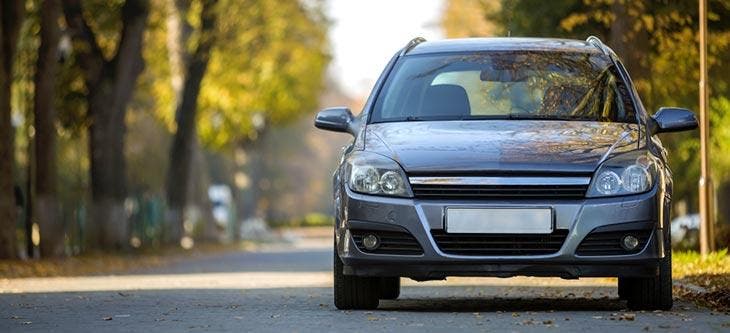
[(282, 288)]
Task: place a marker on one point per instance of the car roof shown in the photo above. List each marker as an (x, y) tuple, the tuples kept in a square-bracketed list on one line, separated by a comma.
[(503, 44)]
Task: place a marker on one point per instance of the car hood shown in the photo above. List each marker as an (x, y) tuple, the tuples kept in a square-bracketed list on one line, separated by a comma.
[(429, 147)]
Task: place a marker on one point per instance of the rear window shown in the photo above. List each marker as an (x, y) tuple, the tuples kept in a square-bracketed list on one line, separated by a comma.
[(503, 85)]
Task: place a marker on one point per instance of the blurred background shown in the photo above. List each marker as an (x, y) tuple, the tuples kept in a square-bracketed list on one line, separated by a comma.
[(141, 124)]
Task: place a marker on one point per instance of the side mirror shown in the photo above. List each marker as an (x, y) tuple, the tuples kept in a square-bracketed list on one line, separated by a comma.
[(673, 120), (337, 119)]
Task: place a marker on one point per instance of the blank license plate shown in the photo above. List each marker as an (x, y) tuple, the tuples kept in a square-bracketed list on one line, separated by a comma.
[(499, 220)]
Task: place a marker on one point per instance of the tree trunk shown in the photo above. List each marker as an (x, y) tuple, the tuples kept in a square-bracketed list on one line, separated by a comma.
[(181, 153), (108, 181), (110, 84), (11, 14), (178, 32), (46, 205), (629, 43)]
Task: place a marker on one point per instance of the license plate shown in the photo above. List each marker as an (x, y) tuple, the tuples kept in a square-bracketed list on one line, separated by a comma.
[(499, 220)]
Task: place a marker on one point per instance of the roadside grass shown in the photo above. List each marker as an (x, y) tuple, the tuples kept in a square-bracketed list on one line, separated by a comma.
[(711, 273)]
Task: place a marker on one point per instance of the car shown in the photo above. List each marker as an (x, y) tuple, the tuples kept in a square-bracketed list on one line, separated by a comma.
[(503, 157)]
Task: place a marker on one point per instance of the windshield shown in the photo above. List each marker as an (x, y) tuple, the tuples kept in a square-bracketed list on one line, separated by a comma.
[(503, 85)]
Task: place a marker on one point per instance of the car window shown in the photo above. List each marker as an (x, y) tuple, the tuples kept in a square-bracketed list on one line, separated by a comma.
[(512, 85)]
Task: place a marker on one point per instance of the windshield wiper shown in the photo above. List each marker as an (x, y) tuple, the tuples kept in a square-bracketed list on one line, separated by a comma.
[(413, 118), (514, 116), (486, 117)]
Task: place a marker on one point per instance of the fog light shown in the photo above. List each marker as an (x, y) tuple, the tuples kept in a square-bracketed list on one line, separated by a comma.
[(629, 242), (371, 242)]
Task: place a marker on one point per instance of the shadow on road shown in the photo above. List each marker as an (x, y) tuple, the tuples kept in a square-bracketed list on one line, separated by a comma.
[(490, 304)]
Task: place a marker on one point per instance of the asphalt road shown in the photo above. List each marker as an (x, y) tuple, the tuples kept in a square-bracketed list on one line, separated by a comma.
[(288, 288)]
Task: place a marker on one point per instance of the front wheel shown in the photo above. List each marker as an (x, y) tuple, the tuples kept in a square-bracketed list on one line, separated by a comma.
[(653, 293), (354, 292)]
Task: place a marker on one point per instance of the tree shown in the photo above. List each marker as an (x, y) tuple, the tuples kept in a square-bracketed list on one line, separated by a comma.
[(44, 112), (110, 82), (181, 153), (280, 80), (266, 69), (11, 13)]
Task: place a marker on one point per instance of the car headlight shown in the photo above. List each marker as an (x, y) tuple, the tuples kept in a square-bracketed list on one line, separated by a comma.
[(372, 173), (624, 174)]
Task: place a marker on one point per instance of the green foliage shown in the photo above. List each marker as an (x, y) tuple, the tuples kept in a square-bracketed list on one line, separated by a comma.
[(267, 68)]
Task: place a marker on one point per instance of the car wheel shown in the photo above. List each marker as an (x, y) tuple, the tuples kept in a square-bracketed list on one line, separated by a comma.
[(389, 287), (654, 293), (354, 292)]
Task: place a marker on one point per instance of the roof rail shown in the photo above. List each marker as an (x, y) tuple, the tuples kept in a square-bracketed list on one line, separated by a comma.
[(411, 44), (599, 44)]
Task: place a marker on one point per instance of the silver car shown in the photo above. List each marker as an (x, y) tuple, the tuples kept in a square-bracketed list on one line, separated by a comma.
[(503, 157)]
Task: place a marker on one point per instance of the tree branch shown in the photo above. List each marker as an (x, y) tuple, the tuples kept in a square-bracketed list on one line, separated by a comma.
[(127, 62), (90, 56), (129, 51), (208, 19)]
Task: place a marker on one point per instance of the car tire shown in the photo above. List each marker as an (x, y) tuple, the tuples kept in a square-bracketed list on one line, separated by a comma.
[(354, 292), (654, 293), (389, 287)]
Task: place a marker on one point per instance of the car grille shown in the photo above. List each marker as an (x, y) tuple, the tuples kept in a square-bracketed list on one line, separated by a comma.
[(391, 242), (500, 244), (608, 243), (507, 187), (499, 191)]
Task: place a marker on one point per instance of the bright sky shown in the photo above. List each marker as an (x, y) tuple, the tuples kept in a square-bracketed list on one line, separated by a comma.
[(366, 34)]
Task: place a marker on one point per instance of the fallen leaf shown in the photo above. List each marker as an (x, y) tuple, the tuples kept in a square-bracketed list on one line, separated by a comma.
[(528, 322)]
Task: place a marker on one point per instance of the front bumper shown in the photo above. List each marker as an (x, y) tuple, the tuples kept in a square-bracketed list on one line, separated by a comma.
[(421, 217)]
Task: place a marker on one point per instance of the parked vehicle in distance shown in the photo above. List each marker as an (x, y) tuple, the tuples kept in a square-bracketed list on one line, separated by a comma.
[(503, 157)]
